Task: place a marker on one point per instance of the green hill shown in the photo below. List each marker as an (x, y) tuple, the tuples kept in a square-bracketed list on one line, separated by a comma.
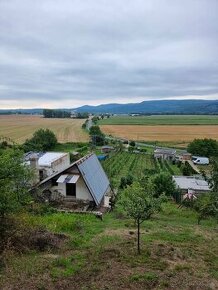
[(176, 253)]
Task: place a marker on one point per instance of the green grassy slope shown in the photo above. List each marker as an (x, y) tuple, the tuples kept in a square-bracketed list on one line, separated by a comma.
[(176, 254)]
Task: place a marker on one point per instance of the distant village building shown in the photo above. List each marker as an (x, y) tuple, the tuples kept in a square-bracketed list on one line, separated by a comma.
[(47, 163), (194, 183), (167, 154), (83, 180), (107, 149), (73, 114), (184, 156)]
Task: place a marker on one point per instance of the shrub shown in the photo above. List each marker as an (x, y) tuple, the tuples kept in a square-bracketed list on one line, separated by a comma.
[(207, 206), (163, 184), (187, 170), (125, 181), (203, 147), (42, 140), (132, 143)]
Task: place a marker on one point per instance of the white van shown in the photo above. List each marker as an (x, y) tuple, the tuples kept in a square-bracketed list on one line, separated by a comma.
[(201, 161)]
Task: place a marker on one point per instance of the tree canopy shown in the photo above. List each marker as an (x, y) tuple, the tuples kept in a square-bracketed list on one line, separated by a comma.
[(207, 204), (213, 180), (163, 184), (49, 113), (15, 181), (97, 135), (82, 115), (139, 203), (203, 147), (95, 130), (42, 140)]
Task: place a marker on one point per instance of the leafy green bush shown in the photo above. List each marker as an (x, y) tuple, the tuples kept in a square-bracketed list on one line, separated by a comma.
[(187, 170), (42, 140), (125, 181), (132, 143), (163, 184), (207, 206), (203, 147)]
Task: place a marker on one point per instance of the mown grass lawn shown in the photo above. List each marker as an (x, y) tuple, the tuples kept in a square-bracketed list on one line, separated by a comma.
[(176, 254)]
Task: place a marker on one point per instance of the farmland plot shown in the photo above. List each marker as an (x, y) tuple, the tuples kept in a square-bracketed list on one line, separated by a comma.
[(175, 133), (161, 120), (123, 163), (21, 127)]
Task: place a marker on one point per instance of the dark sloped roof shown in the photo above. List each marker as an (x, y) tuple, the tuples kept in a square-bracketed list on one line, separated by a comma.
[(94, 177)]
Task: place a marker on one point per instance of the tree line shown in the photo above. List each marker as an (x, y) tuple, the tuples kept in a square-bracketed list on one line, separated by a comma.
[(52, 113), (49, 113)]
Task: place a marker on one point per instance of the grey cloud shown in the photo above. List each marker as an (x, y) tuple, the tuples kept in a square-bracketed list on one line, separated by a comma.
[(95, 50)]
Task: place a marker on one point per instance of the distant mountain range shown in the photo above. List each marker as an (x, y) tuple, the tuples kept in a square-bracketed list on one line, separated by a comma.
[(157, 107), (146, 107)]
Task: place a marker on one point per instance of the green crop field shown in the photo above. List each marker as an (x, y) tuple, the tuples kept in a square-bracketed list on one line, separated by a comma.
[(161, 120)]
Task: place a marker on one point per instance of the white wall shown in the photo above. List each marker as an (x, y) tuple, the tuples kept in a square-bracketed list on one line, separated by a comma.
[(61, 163), (82, 191), (61, 187), (56, 165)]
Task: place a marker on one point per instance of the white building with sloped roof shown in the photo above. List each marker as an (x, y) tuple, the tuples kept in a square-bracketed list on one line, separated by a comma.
[(47, 163), (83, 180)]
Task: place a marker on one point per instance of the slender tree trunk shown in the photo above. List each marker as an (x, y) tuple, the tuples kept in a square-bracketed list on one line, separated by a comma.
[(138, 224)]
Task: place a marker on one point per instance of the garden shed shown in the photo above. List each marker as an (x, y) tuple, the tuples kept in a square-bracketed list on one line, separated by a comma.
[(195, 183), (167, 154)]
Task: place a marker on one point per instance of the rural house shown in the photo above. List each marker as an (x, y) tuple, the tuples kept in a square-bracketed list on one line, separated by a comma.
[(194, 183), (168, 154), (107, 149), (73, 114), (185, 156), (47, 163), (83, 180)]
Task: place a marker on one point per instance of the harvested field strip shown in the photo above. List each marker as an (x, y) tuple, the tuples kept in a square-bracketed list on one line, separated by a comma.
[(161, 133), (21, 127)]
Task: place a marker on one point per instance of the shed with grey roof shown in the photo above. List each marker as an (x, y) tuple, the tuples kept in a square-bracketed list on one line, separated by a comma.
[(194, 183), (163, 153)]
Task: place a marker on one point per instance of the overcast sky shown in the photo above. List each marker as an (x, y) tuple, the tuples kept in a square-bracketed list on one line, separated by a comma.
[(67, 53)]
